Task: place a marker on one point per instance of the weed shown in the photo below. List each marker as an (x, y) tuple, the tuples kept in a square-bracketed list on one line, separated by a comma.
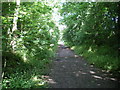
[(103, 57)]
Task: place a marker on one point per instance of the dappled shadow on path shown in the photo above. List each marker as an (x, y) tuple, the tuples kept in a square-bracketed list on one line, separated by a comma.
[(72, 71)]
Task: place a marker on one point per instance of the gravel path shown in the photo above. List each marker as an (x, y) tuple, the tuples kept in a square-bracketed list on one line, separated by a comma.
[(72, 71)]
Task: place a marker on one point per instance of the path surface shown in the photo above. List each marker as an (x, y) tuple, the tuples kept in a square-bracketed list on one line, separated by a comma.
[(71, 71)]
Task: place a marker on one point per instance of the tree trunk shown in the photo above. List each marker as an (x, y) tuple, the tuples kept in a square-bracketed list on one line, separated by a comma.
[(15, 19)]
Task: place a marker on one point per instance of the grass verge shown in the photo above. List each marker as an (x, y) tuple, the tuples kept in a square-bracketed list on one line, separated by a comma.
[(103, 57), (19, 74)]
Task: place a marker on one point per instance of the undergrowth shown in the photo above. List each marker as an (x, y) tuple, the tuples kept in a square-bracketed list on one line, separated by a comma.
[(103, 57), (20, 74)]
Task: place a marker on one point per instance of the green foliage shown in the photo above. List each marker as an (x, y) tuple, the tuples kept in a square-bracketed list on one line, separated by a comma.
[(99, 56), (25, 75), (92, 29), (27, 51)]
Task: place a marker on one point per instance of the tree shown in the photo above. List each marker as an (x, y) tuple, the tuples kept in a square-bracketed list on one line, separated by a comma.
[(93, 26), (14, 28), (29, 37)]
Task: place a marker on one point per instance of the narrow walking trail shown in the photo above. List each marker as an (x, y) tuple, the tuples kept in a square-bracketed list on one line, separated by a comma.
[(72, 71)]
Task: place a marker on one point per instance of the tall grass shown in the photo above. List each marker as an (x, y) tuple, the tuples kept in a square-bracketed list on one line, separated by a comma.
[(25, 74), (103, 57)]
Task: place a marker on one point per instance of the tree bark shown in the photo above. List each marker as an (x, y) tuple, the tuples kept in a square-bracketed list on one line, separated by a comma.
[(15, 19)]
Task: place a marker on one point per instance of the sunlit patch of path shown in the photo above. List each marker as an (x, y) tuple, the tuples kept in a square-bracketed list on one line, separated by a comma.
[(72, 71)]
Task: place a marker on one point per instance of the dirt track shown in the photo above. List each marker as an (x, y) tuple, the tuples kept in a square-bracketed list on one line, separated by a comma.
[(71, 71)]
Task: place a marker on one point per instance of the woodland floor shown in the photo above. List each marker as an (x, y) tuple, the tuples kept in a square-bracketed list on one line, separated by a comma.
[(72, 71)]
